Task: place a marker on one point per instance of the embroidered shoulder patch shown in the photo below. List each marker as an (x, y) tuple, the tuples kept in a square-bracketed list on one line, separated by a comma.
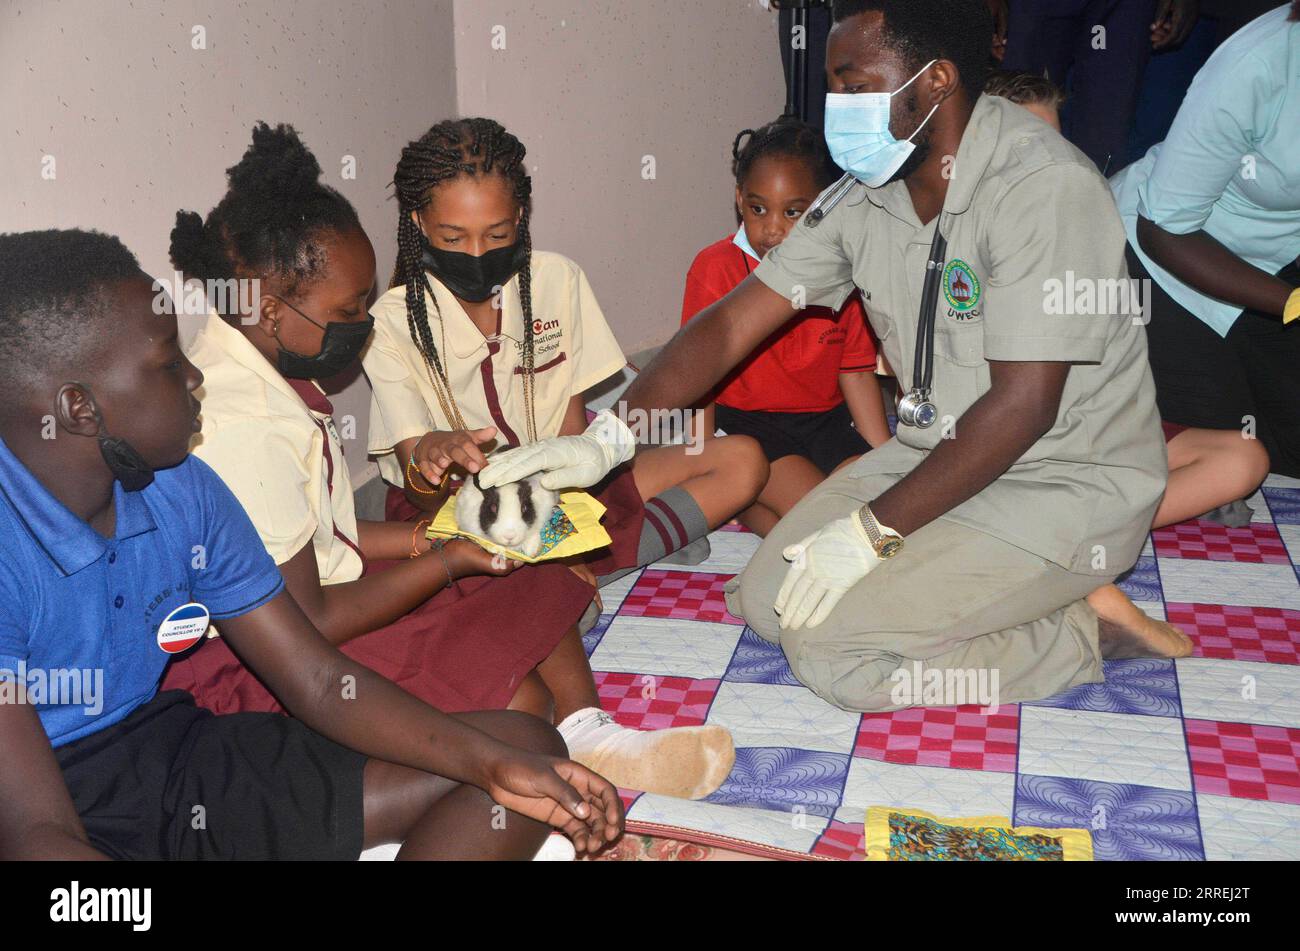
[(961, 287)]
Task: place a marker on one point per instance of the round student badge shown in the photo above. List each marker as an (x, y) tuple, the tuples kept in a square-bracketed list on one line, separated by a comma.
[(183, 628), (961, 287)]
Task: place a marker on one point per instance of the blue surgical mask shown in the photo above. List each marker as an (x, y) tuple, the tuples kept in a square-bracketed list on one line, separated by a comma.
[(858, 136), (741, 240)]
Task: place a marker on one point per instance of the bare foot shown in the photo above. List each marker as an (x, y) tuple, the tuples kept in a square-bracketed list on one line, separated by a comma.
[(1125, 632)]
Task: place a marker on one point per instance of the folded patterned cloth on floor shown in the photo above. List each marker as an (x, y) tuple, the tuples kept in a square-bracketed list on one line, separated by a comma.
[(910, 835)]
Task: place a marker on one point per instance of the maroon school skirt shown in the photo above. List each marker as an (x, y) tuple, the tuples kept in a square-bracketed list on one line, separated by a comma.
[(466, 648), (624, 513)]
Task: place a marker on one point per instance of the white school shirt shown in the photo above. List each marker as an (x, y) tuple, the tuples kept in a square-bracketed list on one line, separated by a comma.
[(282, 460), (574, 350)]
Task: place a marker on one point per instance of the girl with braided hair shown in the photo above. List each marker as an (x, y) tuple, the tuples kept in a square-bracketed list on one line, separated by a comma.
[(447, 623), (483, 341), (803, 392)]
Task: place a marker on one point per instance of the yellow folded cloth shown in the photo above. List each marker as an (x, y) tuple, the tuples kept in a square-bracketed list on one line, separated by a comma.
[(1292, 308), (583, 511), (910, 835)]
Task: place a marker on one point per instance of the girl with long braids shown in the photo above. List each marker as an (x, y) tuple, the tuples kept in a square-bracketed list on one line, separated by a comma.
[(444, 622), (483, 341)]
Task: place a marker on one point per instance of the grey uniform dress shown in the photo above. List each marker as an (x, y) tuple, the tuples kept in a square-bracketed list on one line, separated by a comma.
[(1035, 272)]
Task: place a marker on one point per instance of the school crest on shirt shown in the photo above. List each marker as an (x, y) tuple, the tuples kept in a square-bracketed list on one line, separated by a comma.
[(961, 288), (547, 337)]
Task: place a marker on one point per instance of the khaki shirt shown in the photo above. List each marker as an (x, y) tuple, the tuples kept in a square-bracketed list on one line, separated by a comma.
[(269, 448), (1032, 234), (574, 350)]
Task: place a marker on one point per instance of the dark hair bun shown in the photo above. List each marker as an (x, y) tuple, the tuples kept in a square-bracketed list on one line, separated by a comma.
[(277, 165), (188, 253)]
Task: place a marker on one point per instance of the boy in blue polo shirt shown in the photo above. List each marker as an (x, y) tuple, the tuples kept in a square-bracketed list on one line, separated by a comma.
[(115, 550)]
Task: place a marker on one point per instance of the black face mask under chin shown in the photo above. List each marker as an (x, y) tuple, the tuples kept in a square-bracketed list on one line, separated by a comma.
[(342, 343), (126, 464), (123, 460), (475, 278)]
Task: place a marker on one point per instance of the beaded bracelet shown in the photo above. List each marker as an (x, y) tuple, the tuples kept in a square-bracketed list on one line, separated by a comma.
[(410, 481), (415, 538)]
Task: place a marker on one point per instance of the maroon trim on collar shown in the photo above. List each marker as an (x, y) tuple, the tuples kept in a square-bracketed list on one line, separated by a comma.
[(329, 477), (490, 393), (311, 394)]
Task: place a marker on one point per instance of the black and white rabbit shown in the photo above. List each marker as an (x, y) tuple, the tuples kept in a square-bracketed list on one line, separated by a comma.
[(511, 515)]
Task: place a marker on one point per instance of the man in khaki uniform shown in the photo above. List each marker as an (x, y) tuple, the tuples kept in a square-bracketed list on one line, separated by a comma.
[(968, 546)]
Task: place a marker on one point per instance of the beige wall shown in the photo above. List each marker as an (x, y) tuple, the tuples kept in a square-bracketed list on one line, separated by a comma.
[(139, 123), (592, 86)]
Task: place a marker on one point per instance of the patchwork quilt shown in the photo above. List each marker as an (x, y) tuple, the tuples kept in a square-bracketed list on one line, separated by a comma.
[(1170, 760)]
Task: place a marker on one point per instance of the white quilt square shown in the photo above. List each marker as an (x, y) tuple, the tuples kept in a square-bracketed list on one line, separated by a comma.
[(666, 647), (1239, 691), (1248, 829), (951, 793), (783, 715), (1229, 582), (1106, 747)]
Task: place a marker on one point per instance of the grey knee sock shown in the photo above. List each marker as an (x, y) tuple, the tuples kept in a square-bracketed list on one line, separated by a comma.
[(672, 521)]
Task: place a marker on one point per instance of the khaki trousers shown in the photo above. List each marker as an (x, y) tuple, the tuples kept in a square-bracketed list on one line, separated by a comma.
[(960, 601)]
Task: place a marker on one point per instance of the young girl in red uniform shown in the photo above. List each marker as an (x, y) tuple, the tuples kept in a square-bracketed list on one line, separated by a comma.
[(802, 394)]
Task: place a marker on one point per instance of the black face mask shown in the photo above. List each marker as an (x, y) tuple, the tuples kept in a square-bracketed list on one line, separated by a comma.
[(123, 460), (471, 278), (343, 343), (126, 464)]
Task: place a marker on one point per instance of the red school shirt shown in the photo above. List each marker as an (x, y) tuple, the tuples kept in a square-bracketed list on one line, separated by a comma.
[(796, 370)]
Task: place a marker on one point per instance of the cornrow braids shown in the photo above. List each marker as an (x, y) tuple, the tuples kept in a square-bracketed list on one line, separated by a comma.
[(271, 220), (452, 149), (787, 136)]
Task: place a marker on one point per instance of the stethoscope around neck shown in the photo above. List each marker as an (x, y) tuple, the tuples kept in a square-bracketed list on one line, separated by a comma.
[(916, 408)]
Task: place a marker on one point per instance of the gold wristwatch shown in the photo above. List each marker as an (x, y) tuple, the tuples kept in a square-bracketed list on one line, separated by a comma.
[(885, 541)]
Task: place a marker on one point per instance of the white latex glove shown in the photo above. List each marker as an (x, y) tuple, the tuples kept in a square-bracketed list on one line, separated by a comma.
[(824, 566), (566, 462)]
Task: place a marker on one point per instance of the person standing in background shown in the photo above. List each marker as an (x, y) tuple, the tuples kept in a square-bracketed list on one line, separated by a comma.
[(1213, 221), (1098, 49)]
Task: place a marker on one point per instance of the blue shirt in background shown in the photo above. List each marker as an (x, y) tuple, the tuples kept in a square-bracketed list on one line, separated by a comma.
[(1230, 165), (83, 610)]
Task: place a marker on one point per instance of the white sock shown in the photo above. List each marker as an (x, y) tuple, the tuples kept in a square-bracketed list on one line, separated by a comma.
[(687, 762), (556, 848)]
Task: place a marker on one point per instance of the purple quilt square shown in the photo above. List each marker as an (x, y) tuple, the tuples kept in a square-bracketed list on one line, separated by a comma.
[(1142, 581), (1146, 687), (1128, 823), (785, 780), (757, 661)]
